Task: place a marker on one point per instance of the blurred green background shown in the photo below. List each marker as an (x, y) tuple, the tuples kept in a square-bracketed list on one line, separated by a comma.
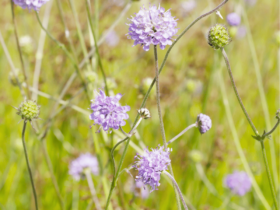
[(194, 80)]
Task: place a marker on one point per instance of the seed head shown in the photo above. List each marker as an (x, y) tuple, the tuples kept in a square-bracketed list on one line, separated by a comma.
[(144, 113), (218, 36), (28, 110)]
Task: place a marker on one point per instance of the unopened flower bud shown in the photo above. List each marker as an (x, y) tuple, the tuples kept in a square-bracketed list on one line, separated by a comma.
[(204, 123), (218, 36), (196, 156), (144, 113), (28, 110)]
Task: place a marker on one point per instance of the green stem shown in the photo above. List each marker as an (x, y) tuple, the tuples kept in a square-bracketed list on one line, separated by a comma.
[(96, 48), (28, 165), (49, 163), (161, 122), (273, 129), (92, 189), (269, 175), (237, 94)]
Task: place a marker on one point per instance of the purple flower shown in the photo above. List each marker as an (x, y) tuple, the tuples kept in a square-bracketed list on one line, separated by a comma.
[(204, 123), (84, 161), (150, 165), (238, 182), (144, 192), (188, 6), (233, 19), (112, 39), (30, 4), (152, 26), (241, 32), (107, 112)]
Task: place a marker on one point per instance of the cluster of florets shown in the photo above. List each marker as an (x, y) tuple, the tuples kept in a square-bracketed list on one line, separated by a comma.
[(238, 182), (152, 26), (204, 123), (28, 110), (85, 161), (107, 112), (218, 36), (30, 4), (150, 165)]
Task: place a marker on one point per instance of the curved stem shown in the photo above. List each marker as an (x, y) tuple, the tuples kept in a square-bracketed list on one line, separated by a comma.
[(273, 129), (236, 92), (28, 165), (180, 134), (269, 175), (177, 188), (92, 190)]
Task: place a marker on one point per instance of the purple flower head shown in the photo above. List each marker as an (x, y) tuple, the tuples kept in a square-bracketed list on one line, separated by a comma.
[(150, 165), (152, 26), (112, 39), (84, 161), (188, 6), (107, 112), (233, 19), (204, 123), (238, 182), (144, 192), (30, 4)]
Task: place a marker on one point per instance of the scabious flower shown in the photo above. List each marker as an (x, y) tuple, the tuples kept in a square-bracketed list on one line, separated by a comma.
[(150, 165), (85, 161), (112, 39), (152, 26), (107, 112), (233, 19), (238, 182), (204, 123), (30, 4)]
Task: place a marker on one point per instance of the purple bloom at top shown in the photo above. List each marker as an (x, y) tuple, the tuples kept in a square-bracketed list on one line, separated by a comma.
[(150, 165), (30, 4), (84, 161), (239, 182), (233, 19), (112, 39), (204, 123), (152, 26), (107, 112)]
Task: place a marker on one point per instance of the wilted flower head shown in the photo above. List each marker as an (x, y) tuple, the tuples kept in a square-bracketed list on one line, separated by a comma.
[(85, 161), (30, 4), (150, 165), (28, 110), (141, 190), (107, 112), (218, 36), (112, 39), (233, 19), (204, 123), (152, 26), (238, 182)]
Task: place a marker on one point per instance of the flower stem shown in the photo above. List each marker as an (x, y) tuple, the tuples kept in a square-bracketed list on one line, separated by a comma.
[(28, 165), (177, 188), (180, 134), (269, 175), (92, 190), (236, 92), (273, 129)]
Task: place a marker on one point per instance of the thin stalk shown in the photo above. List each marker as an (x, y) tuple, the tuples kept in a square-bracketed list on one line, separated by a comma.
[(151, 86), (180, 134), (92, 190), (19, 49), (161, 121), (54, 181), (28, 164), (269, 176), (177, 188), (273, 129), (67, 54), (237, 94), (96, 48)]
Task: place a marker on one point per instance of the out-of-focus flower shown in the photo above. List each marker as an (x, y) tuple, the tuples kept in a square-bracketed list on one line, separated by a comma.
[(91, 76), (85, 161), (112, 39), (188, 6), (196, 156), (144, 192), (233, 31), (233, 19), (111, 83), (150, 165), (152, 26), (28, 110), (204, 123), (238, 182), (30, 4), (241, 32), (250, 2), (107, 112)]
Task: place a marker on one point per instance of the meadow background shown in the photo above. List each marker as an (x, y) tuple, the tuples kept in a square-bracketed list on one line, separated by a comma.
[(194, 81)]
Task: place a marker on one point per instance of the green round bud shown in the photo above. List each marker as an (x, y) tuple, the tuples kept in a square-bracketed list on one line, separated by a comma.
[(218, 36), (196, 156), (28, 110), (233, 31), (91, 76)]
